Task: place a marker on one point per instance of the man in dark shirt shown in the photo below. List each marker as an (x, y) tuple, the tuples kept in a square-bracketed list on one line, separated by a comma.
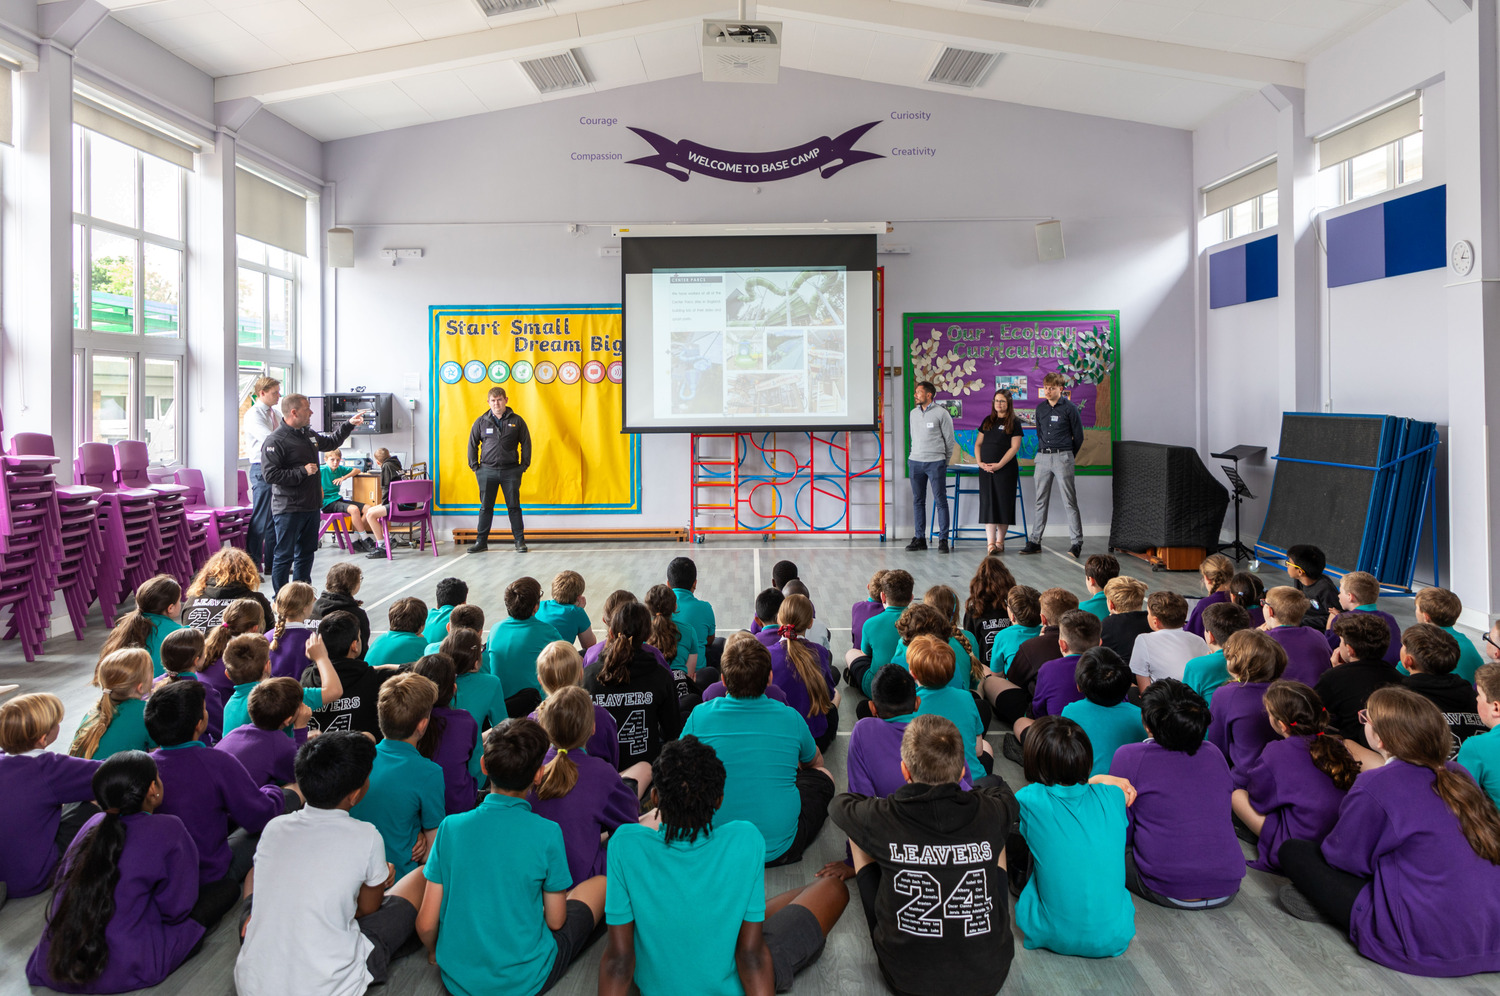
[(943, 846), (1059, 437), (493, 442), (289, 463), (1357, 671)]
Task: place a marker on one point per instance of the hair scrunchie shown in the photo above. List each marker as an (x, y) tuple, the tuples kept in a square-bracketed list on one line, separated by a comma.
[(786, 632)]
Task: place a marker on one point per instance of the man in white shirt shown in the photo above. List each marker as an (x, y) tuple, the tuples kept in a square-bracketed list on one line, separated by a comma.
[(1165, 651), (322, 916), (261, 420)]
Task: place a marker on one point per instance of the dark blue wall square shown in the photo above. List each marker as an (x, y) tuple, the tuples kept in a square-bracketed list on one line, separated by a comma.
[(1416, 232), (1260, 269)]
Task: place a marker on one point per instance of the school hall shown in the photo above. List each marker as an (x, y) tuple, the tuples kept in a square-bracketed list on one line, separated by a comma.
[(390, 503)]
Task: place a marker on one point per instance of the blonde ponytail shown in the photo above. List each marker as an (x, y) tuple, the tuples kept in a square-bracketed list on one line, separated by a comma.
[(568, 717), (119, 674), (794, 616)]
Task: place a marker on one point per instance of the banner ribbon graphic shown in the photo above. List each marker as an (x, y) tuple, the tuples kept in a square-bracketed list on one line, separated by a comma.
[(828, 156)]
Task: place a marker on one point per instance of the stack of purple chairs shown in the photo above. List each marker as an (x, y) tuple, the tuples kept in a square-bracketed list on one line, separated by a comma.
[(174, 555), (127, 523), (30, 547), (78, 539), (221, 524)]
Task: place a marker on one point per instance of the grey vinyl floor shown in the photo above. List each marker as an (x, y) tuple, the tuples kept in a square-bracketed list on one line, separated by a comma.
[(1249, 948)]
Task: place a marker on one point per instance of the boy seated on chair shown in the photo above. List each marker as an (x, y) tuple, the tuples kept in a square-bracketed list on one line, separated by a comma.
[(363, 537)]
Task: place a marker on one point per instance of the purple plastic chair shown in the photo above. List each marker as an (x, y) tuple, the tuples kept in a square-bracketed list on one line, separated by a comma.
[(419, 495), (95, 466), (335, 521)]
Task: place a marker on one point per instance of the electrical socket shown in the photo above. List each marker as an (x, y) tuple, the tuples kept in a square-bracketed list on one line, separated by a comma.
[(609, 250)]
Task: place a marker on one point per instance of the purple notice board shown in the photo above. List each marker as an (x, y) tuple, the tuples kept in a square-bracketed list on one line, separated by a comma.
[(970, 355)]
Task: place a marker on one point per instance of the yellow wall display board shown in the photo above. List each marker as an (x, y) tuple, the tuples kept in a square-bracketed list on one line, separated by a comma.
[(561, 369)]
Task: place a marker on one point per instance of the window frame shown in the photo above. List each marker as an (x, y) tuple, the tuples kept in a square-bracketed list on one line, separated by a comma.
[(137, 345), (1396, 168), (267, 355)]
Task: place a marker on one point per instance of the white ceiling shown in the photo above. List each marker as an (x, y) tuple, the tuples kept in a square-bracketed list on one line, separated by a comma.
[(337, 68)]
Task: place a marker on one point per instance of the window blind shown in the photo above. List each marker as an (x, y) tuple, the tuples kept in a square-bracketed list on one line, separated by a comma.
[(1370, 133), (135, 132), (270, 213), (1239, 188), (7, 113)]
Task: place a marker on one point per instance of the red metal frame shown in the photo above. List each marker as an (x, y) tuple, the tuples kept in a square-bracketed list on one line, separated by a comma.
[(726, 472)]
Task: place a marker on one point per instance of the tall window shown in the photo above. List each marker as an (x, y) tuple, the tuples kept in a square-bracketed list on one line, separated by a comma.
[(1370, 173), (266, 315), (128, 315)]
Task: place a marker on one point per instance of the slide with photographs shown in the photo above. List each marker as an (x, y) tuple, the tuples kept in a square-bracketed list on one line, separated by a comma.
[(753, 343)]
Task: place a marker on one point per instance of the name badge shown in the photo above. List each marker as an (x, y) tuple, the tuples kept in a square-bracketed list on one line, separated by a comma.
[(489, 430), (1054, 418), (931, 425)]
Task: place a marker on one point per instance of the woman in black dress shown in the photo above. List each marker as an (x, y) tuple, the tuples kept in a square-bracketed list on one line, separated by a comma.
[(999, 447)]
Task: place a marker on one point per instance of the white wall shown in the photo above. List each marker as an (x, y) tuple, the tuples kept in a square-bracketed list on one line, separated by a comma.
[(488, 197)]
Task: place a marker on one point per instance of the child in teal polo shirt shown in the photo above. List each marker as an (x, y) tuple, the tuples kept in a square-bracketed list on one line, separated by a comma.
[(1024, 606), (516, 642), (930, 661), (740, 941), (1108, 720), (158, 605), (1480, 754), (404, 643), (451, 592), (501, 919), (682, 578), (566, 611), (247, 662), (1204, 674), (1442, 608), (405, 801), (1099, 570), (879, 639)]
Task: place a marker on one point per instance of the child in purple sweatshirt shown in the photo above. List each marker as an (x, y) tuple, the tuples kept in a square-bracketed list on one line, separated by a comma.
[(294, 605), (45, 793), (138, 904), (1239, 727), (182, 657), (1307, 654), (206, 789), (267, 745), (1295, 787), (1182, 852), (452, 737), (583, 795), (1412, 867)]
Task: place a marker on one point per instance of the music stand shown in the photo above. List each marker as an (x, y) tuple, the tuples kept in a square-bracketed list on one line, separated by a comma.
[(1241, 491)]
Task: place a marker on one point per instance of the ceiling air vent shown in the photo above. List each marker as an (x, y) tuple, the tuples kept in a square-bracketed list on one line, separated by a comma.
[(494, 8), (962, 68), (1003, 3), (555, 73)]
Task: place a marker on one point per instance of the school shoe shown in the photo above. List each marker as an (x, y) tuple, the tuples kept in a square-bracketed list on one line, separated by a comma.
[(479, 546), (1294, 902), (1075, 550), (376, 554), (1030, 548), (917, 544), (1010, 748), (363, 545)]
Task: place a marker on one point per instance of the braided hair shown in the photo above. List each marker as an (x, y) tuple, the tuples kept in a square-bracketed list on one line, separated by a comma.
[(1300, 708), (86, 879), (687, 779), (293, 602), (244, 615)]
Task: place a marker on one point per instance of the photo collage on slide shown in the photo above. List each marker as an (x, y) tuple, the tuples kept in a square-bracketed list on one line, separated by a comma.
[(778, 345)]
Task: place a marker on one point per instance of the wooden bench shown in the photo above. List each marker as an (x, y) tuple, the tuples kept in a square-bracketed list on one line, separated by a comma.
[(464, 536)]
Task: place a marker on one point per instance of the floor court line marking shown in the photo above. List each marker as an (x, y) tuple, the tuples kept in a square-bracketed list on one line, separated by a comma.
[(438, 570), (757, 574)]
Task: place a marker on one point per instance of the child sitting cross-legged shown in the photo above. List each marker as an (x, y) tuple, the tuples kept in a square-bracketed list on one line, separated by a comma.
[(865, 609), (356, 708), (158, 606), (405, 800), (1057, 680), (451, 593), (118, 721), (1305, 564), (506, 919), (1359, 668), (514, 643), (1294, 789), (1109, 721), (262, 745), (803, 670), (1306, 649), (325, 911), (1239, 727), (182, 656), (403, 643), (1359, 593), (631, 683), (1216, 571), (742, 942), (582, 794), (294, 603), (1480, 755), (559, 667), (452, 737), (874, 758), (1430, 654), (46, 793), (931, 664), (1128, 619), (1183, 853), (1411, 869), (1067, 861), (207, 789), (475, 690), (247, 662), (1206, 673), (243, 616), (120, 916), (888, 837), (567, 610), (1442, 607), (878, 637), (1165, 651)]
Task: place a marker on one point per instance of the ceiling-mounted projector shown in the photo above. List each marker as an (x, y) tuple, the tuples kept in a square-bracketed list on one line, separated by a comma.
[(741, 52)]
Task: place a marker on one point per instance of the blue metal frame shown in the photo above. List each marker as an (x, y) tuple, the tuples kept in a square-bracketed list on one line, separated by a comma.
[(955, 479)]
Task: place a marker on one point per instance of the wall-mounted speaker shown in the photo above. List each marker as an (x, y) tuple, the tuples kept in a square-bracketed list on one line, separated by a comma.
[(1049, 241), (341, 247)]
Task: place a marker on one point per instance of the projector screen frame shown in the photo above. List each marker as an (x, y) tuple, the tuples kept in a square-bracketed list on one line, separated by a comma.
[(771, 249)]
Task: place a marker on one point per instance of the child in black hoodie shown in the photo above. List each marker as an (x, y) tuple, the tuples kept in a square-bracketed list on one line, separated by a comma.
[(944, 846), (356, 708), (340, 585)]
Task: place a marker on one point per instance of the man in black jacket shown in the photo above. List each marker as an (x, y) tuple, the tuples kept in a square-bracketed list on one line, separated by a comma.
[(493, 442), (289, 461)]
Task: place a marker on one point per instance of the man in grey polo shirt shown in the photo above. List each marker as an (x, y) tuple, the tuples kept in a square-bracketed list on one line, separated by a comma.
[(930, 432)]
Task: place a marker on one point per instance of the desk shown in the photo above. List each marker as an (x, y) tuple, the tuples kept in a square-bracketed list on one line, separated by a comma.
[(365, 489), (967, 473)]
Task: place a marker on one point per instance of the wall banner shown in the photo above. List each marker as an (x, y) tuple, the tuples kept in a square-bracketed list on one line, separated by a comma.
[(561, 369), (969, 355), (681, 159)]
